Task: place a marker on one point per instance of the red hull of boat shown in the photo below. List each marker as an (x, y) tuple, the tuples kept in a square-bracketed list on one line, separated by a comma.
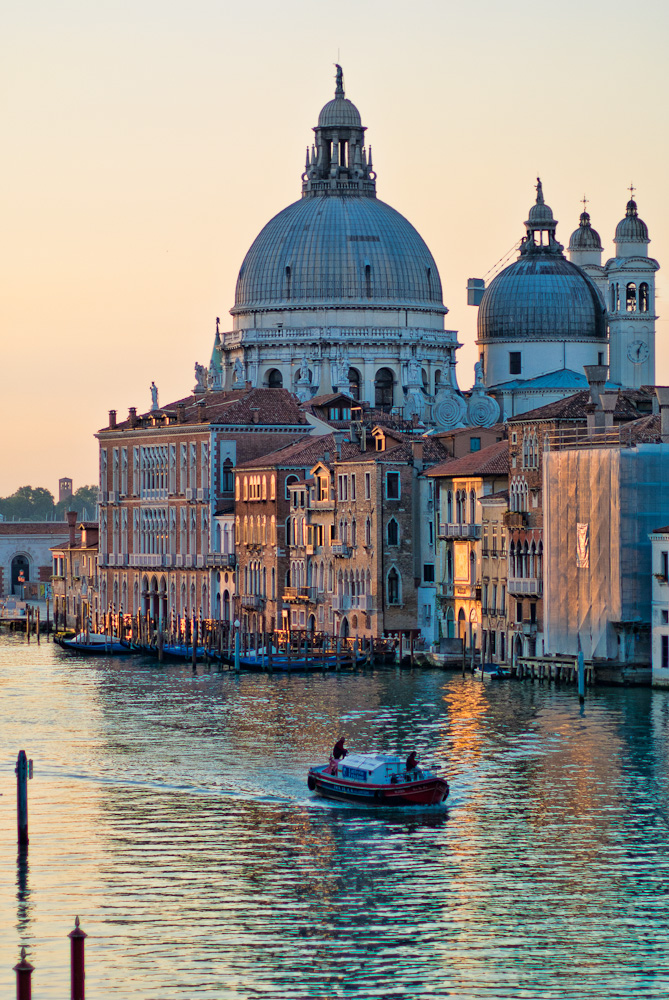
[(428, 792)]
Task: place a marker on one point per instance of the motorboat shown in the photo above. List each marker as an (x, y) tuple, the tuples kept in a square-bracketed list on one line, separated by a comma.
[(377, 779), (94, 643), (492, 672)]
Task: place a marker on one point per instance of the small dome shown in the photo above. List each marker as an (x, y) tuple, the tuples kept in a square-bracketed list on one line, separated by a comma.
[(541, 297), (339, 112), (585, 237), (631, 229), (541, 215)]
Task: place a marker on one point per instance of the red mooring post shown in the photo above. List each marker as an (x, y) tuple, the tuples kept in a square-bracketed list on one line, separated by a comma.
[(24, 971), (77, 973)]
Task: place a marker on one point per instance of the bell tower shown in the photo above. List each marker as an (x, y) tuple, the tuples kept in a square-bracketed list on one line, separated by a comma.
[(631, 303)]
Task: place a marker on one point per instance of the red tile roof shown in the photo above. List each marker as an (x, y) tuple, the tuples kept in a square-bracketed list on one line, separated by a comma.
[(575, 407), (237, 406), (490, 461)]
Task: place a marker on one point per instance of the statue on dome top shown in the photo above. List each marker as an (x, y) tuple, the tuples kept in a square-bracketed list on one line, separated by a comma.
[(540, 192), (339, 79)]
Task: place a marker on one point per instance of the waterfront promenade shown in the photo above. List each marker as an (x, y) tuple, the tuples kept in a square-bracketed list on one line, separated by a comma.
[(169, 809)]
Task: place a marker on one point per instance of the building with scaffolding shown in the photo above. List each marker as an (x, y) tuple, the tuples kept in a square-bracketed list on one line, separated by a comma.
[(605, 490)]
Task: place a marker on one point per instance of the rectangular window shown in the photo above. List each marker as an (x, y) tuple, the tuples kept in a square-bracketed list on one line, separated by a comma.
[(664, 565), (393, 485), (368, 485), (514, 363), (342, 484), (430, 532), (519, 611), (428, 573), (493, 643), (665, 652), (664, 616), (533, 613), (353, 490), (493, 603), (475, 444)]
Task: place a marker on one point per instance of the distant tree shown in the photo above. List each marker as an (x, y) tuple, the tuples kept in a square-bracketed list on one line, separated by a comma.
[(28, 504), (84, 501)]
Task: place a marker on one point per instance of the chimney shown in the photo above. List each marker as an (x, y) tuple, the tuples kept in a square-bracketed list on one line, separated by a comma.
[(201, 411), (338, 439), (609, 401), (249, 385), (255, 415), (662, 392), (326, 457), (71, 523), (596, 376), (417, 451), (181, 413), (112, 419), (132, 416)]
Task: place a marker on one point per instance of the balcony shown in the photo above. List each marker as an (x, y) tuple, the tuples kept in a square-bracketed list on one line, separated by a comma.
[(252, 601), (525, 586), (341, 550), (472, 531), (302, 594), (341, 602), (366, 602), (222, 559), (528, 627), (445, 591), (154, 559)]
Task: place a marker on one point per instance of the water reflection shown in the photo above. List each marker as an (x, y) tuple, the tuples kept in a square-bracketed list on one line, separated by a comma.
[(170, 810)]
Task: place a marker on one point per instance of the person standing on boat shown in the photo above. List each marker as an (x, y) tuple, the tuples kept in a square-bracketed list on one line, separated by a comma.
[(339, 751)]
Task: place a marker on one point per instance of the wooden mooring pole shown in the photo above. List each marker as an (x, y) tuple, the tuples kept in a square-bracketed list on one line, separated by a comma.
[(77, 970), (24, 971), (23, 770)]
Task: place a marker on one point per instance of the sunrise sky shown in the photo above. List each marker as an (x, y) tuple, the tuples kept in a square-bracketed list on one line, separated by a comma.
[(146, 144)]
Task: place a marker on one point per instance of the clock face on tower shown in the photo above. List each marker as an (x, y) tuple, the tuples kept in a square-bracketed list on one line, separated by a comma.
[(638, 352)]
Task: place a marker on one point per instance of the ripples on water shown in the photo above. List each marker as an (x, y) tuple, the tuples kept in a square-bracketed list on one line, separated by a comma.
[(170, 810)]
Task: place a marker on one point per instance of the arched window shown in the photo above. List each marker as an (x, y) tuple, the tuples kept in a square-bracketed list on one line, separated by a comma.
[(354, 533), (472, 507), (394, 587), (426, 381), (354, 381), (272, 488), (472, 569), (393, 532), (531, 566), (449, 566), (245, 531), (449, 507), (644, 297), (526, 560), (540, 560), (274, 379), (512, 559), (383, 389), (272, 530), (288, 282), (264, 487), (437, 379), (289, 481), (227, 477), (613, 298), (368, 532), (630, 298), (330, 579)]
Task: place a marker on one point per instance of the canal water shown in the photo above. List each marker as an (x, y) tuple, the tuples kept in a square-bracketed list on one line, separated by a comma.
[(169, 810)]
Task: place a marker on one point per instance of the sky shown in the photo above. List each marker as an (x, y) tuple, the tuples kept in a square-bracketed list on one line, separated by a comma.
[(146, 144)]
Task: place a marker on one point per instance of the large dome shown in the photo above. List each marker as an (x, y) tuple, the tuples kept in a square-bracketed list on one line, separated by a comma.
[(541, 297), (338, 250)]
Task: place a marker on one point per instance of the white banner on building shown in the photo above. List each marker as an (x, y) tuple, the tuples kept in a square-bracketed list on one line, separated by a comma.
[(582, 546)]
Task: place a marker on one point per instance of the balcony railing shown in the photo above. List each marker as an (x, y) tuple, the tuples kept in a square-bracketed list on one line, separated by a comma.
[(342, 550), (454, 530), (253, 601), (221, 559), (445, 590), (529, 586), (341, 602)]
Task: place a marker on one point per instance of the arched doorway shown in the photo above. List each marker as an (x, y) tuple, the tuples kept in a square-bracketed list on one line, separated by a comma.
[(383, 389), (450, 624), (153, 598), (517, 647), (311, 624), (20, 568), (462, 625), (274, 379), (344, 630)]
